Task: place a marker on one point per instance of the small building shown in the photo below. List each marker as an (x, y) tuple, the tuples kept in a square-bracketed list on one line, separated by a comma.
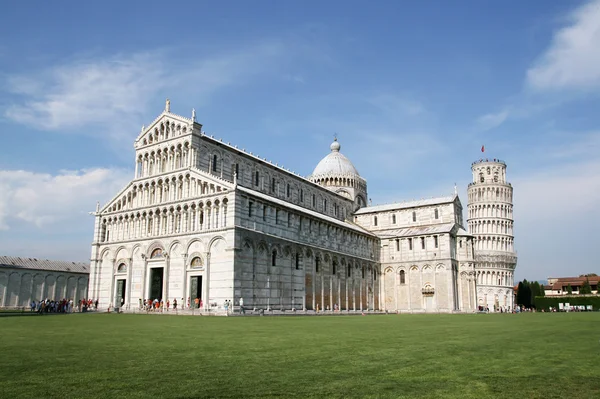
[(23, 280), (558, 286)]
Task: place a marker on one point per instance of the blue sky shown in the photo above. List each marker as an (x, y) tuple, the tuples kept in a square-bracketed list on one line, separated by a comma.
[(412, 89)]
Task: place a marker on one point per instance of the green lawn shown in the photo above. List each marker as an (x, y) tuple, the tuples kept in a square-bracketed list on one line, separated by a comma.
[(423, 356)]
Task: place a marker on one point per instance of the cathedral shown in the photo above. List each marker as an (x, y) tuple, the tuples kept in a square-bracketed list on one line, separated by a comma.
[(205, 219)]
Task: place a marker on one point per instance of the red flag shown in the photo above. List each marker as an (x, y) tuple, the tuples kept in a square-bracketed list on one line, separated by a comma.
[(482, 148)]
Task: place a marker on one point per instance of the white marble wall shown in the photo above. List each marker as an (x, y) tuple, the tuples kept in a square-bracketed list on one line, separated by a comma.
[(18, 287)]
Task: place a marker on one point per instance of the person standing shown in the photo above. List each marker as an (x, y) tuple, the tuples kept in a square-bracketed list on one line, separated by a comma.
[(242, 311)]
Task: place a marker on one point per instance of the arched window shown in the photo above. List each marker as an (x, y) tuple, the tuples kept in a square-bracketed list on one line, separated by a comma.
[(334, 268), (349, 271), (437, 214), (317, 264), (196, 262), (256, 178), (297, 261), (157, 253), (402, 277), (122, 268), (393, 219), (375, 221), (414, 216), (274, 258), (214, 163)]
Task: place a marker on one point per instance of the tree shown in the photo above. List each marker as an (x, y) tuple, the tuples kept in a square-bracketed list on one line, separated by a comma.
[(586, 288), (535, 291), (520, 292), (588, 275), (524, 294), (569, 289)]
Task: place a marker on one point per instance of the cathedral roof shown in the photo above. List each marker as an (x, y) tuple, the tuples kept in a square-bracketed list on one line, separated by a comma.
[(335, 164), (300, 209), (420, 230), (407, 204), (44, 264)]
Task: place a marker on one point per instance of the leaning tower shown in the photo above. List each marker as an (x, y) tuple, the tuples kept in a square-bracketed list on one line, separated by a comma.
[(490, 221)]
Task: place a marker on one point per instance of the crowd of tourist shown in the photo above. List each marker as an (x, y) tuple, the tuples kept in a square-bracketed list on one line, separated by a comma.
[(63, 306), (158, 305)]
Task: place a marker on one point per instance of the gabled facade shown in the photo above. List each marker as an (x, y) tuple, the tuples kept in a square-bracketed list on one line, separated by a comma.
[(204, 219)]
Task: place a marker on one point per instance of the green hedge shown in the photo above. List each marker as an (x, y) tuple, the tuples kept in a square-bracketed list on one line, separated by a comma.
[(544, 302)]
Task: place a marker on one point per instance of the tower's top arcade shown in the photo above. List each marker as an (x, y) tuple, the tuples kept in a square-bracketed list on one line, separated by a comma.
[(487, 171)]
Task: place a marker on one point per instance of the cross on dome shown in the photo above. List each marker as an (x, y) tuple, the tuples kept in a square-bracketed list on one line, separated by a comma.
[(335, 146)]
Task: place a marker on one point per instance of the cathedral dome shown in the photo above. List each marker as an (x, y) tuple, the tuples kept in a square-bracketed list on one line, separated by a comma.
[(335, 164)]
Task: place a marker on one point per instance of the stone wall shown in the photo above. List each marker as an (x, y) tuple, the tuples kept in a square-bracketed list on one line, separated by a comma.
[(19, 287)]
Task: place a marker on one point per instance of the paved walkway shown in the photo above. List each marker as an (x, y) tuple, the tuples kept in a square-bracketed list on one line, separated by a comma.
[(251, 312)]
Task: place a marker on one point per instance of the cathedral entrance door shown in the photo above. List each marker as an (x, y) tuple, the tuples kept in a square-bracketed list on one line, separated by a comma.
[(156, 283), (429, 303), (121, 287), (195, 288)]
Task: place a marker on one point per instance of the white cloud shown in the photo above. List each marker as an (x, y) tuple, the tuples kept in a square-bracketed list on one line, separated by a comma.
[(550, 193), (110, 96), (492, 120), (573, 58), (555, 218), (59, 201)]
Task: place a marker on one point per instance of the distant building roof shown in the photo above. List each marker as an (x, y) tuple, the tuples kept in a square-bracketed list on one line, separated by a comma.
[(405, 205), (44, 264), (574, 281)]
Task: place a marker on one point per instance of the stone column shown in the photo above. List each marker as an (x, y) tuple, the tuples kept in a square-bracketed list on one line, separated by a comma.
[(360, 289), (184, 279), (166, 278), (206, 282), (145, 284), (346, 304), (314, 281), (129, 281), (112, 282), (304, 266), (331, 281)]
